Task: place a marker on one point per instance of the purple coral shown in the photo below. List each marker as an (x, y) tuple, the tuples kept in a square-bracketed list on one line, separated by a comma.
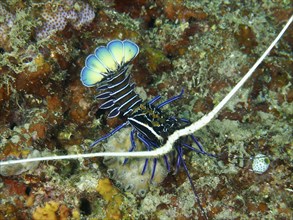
[(85, 16), (67, 14)]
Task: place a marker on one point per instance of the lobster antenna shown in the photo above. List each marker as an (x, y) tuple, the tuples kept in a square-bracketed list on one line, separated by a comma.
[(167, 147)]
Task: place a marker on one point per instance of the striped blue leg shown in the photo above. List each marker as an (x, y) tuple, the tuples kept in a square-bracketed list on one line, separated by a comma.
[(154, 100), (179, 151), (197, 143), (154, 168), (109, 134), (133, 145), (178, 162), (185, 120), (148, 146), (171, 99), (145, 166), (202, 151), (198, 151), (145, 141), (167, 163)]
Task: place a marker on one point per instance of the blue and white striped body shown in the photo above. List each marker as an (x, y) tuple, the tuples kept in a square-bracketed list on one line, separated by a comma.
[(107, 69)]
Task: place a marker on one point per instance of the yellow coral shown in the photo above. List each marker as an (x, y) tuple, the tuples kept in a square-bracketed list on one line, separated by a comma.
[(113, 198), (30, 200), (75, 214), (39, 60), (48, 212), (113, 212), (106, 189)]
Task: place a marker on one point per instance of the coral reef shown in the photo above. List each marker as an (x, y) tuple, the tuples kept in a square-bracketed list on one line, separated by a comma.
[(72, 12), (202, 46)]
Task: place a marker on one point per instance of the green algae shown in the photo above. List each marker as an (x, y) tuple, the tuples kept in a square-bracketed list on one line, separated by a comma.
[(19, 46)]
